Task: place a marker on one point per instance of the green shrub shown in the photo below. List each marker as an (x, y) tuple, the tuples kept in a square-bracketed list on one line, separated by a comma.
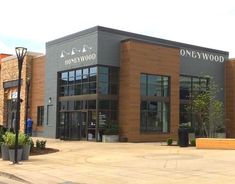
[(193, 142), (22, 139), (9, 140), (31, 143), (112, 129), (41, 144), (2, 132), (169, 141)]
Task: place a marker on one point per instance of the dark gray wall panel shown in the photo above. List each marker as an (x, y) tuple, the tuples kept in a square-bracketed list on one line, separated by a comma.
[(69, 54), (201, 63)]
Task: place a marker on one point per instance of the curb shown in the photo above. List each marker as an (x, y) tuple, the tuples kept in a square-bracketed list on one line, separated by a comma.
[(13, 177)]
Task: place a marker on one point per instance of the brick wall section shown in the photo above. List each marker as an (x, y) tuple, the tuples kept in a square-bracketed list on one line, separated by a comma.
[(37, 89), (230, 98), (136, 58), (9, 72)]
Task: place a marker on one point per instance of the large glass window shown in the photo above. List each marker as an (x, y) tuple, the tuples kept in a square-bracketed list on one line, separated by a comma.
[(89, 115), (108, 80), (154, 85), (84, 81), (107, 112), (190, 87), (154, 111)]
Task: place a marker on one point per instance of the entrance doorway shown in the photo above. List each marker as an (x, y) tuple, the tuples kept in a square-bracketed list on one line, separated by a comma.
[(11, 113), (73, 125)]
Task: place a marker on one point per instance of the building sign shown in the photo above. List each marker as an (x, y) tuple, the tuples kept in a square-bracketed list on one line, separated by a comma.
[(205, 56), (78, 54), (14, 95)]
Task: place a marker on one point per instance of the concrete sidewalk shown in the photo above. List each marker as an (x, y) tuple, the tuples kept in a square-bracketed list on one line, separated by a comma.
[(123, 163)]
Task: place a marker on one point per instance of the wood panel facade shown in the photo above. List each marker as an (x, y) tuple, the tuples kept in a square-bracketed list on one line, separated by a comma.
[(139, 57), (230, 98)]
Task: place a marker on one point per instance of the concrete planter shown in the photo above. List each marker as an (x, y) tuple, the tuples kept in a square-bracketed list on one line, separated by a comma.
[(5, 152), (12, 154), (110, 138), (220, 135), (25, 152)]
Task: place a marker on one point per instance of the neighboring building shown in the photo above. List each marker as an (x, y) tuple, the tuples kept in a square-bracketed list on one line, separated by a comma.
[(3, 56), (33, 77), (103, 76)]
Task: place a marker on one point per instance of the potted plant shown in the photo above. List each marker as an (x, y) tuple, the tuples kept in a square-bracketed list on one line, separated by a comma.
[(220, 132), (9, 139), (3, 147), (26, 147), (111, 133)]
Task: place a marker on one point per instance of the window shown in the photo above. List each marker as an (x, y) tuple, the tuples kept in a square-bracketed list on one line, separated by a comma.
[(154, 116), (154, 85), (108, 110), (190, 87), (40, 115), (154, 107), (108, 80), (85, 81)]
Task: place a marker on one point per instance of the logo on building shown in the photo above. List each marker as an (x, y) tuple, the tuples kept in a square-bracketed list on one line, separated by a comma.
[(205, 56), (79, 54)]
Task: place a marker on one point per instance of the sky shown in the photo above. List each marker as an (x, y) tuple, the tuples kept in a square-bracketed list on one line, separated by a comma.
[(32, 23)]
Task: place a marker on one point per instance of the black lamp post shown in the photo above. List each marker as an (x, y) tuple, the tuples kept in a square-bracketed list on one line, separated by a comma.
[(20, 53), (27, 103)]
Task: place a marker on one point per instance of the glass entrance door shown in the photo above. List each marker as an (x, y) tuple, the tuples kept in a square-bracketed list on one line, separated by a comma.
[(11, 113), (73, 125), (82, 124)]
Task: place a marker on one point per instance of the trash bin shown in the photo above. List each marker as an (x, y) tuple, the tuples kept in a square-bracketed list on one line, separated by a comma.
[(183, 136)]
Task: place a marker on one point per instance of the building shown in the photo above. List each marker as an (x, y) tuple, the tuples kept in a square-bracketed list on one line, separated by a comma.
[(101, 76), (32, 90)]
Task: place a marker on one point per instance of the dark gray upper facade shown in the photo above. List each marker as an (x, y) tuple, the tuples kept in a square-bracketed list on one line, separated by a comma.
[(100, 45)]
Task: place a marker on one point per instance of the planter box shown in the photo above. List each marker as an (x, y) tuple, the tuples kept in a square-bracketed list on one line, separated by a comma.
[(25, 152), (110, 138), (5, 152), (12, 154)]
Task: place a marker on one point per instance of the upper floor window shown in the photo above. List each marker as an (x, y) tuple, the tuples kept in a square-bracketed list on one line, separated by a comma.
[(154, 85)]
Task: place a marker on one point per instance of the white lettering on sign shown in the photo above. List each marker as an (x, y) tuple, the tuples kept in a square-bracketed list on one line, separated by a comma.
[(78, 59), (76, 55), (202, 55)]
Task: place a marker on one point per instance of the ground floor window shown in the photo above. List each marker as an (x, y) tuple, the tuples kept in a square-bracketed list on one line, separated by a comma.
[(40, 115), (86, 119), (154, 116)]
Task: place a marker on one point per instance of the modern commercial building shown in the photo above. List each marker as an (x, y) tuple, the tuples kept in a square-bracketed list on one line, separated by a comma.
[(101, 76)]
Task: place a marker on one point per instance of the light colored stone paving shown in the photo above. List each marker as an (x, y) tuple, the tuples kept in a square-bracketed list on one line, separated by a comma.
[(125, 163)]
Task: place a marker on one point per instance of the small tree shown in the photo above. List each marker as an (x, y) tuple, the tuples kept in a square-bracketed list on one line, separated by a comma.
[(208, 110)]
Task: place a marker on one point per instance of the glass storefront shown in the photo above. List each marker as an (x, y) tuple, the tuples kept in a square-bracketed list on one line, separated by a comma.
[(87, 102)]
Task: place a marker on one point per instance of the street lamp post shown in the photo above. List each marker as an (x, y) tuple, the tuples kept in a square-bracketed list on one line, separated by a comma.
[(20, 53), (27, 103)]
